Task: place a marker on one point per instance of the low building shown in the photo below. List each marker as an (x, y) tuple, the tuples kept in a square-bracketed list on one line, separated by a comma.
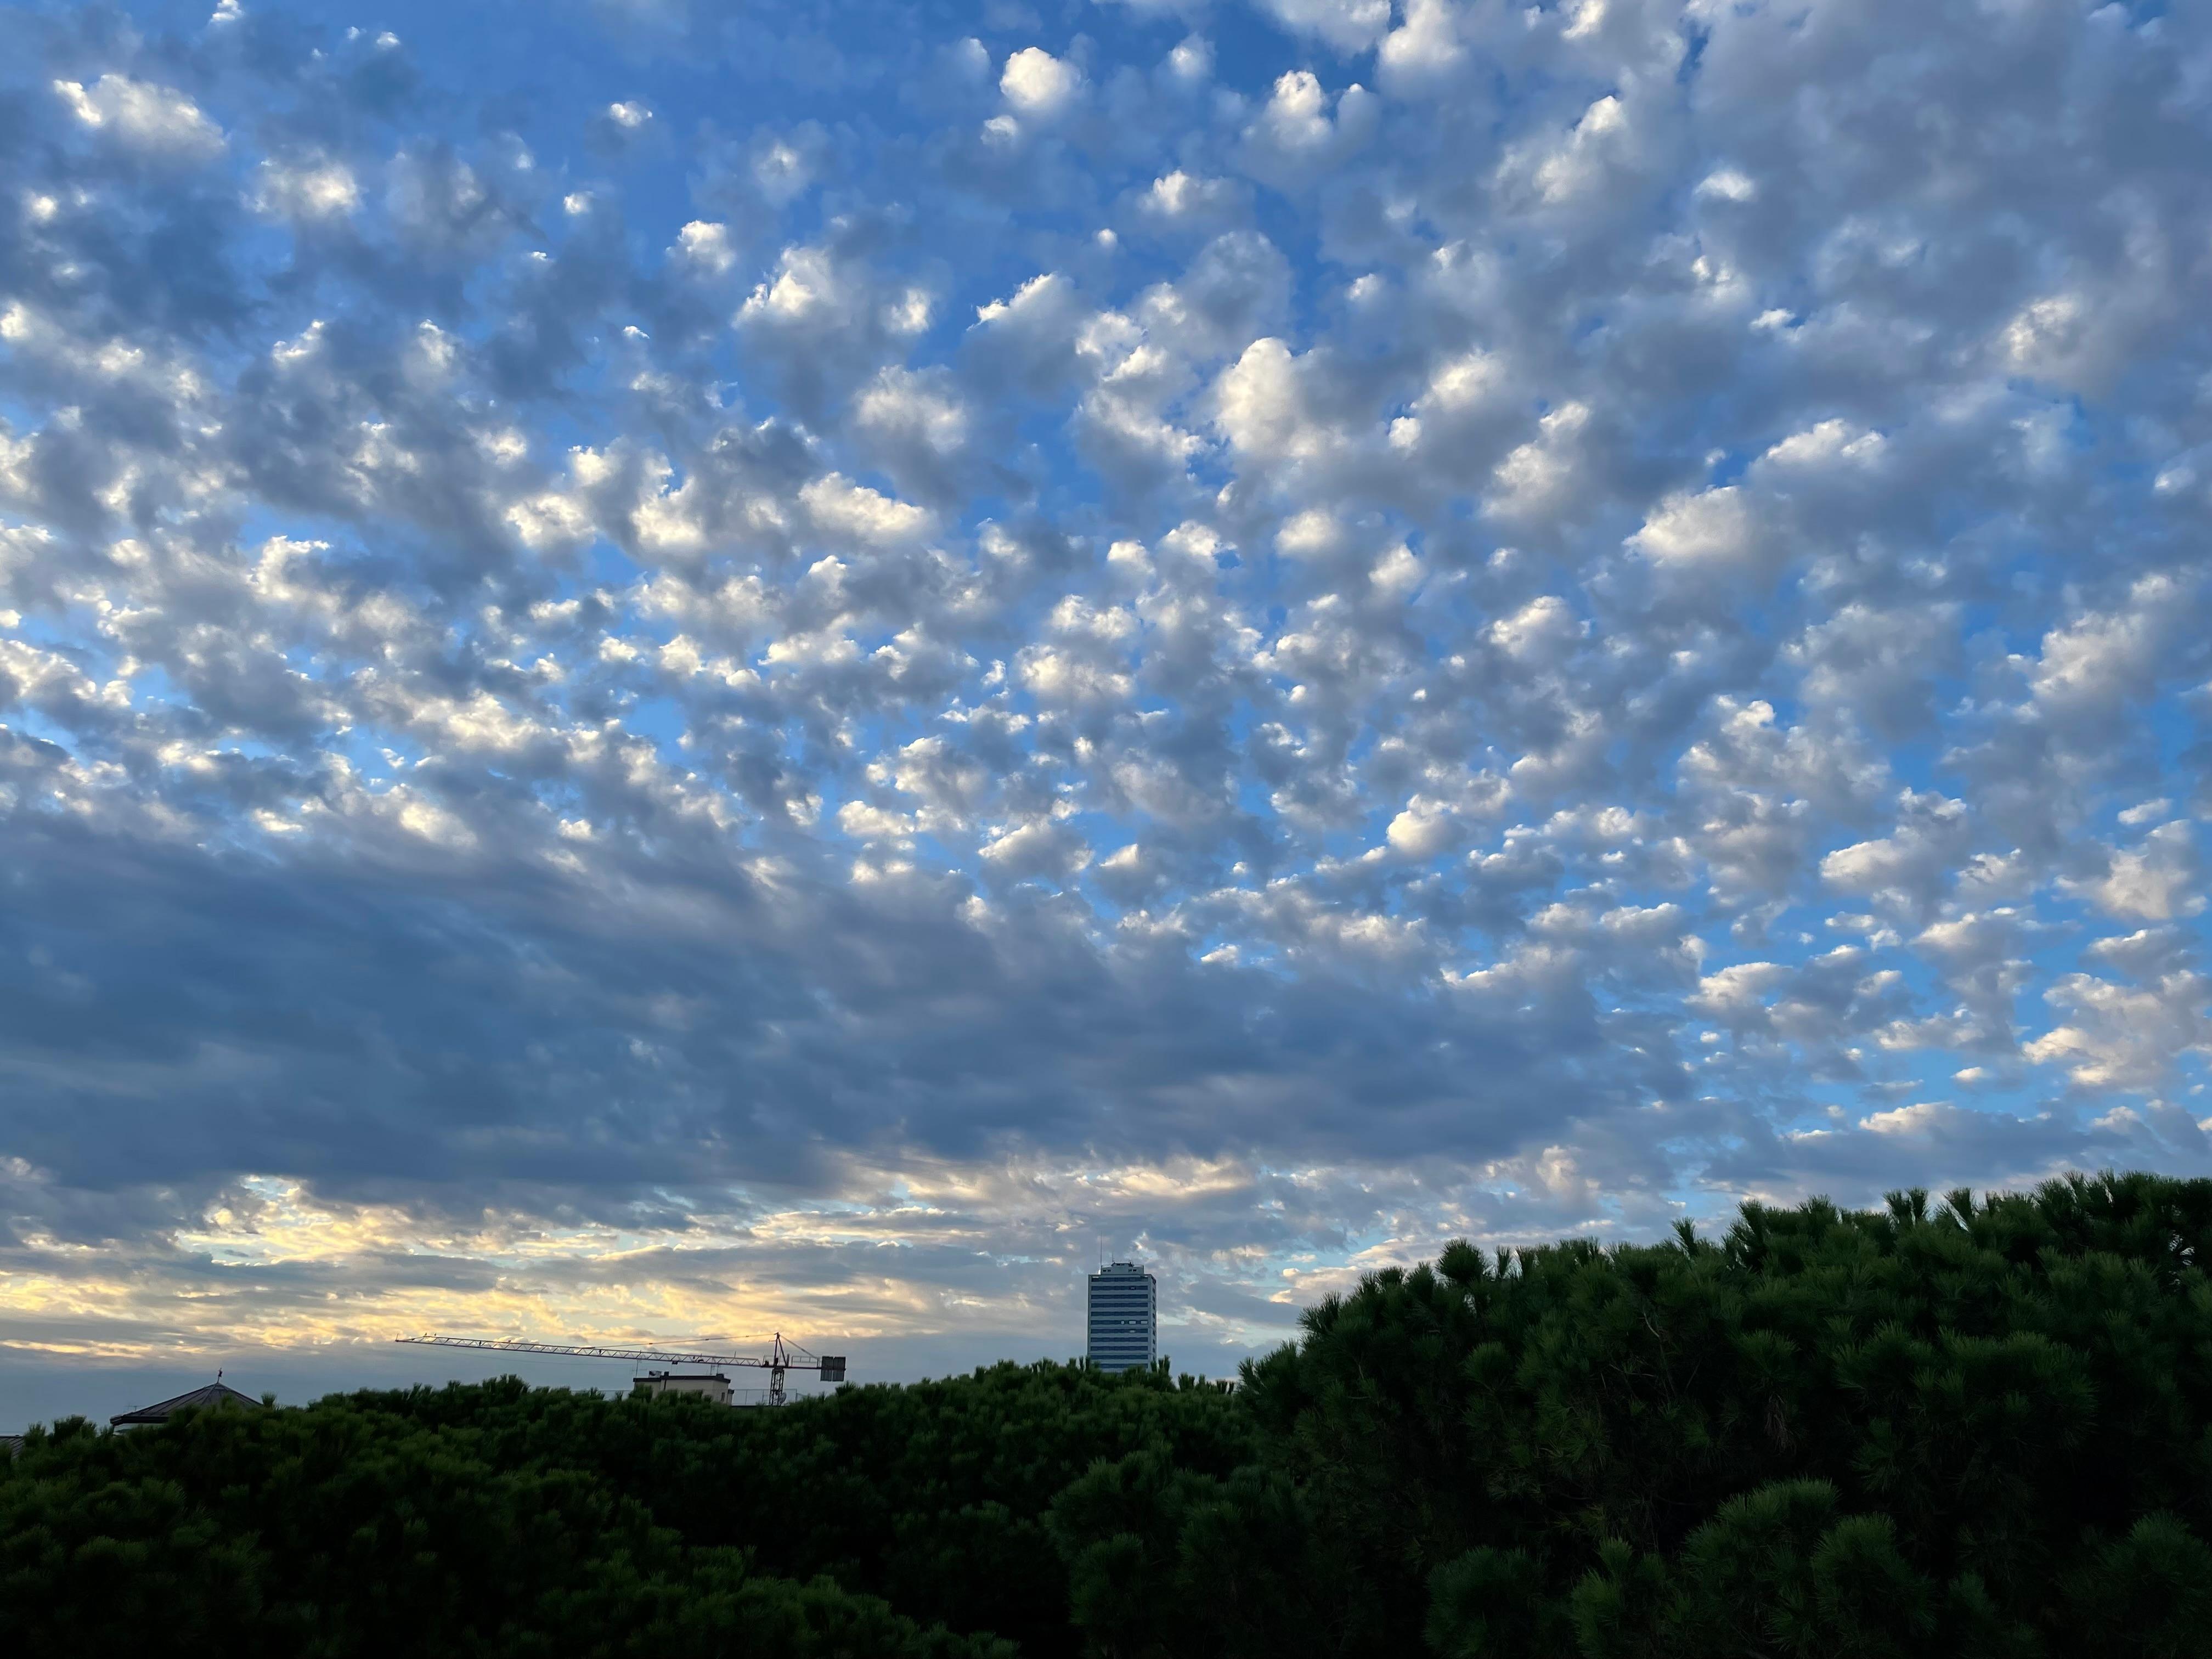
[(710, 1385), (214, 1397), (1125, 1318)]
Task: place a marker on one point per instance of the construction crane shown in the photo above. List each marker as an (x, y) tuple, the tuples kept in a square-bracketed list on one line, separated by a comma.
[(782, 1356)]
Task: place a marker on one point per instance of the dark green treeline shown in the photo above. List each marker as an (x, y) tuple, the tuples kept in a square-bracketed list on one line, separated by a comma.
[(1978, 1427)]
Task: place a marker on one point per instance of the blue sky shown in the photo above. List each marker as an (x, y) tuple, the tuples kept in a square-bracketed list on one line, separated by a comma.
[(673, 670)]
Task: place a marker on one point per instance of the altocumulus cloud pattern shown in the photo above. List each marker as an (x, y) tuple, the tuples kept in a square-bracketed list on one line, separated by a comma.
[(665, 663)]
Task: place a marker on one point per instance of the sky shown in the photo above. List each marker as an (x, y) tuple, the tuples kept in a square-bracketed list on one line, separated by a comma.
[(672, 669)]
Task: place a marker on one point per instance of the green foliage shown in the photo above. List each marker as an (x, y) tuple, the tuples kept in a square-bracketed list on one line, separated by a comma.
[(1983, 1426), (1493, 1600), (499, 1520), (1986, 1424)]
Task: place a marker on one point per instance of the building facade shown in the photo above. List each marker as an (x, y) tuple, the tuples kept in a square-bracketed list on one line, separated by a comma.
[(1125, 1318), (711, 1385)]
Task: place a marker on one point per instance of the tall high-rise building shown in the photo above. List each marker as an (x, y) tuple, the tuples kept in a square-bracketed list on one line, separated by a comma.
[(1125, 1318)]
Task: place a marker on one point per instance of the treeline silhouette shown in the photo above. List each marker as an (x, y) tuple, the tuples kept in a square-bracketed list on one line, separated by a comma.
[(1978, 1426)]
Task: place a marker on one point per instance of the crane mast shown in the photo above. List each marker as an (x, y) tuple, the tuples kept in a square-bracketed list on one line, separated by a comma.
[(782, 1356)]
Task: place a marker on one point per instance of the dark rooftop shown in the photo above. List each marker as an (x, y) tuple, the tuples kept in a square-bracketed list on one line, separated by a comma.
[(215, 1394)]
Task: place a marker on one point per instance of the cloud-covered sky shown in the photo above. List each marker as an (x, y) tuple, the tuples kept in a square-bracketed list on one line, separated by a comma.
[(679, 669)]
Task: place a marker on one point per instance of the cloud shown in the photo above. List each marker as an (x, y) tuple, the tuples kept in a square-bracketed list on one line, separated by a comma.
[(2158, 881), (1347, 25), (156, 120), (1269, 406), (309, 187), (1713, 529), (1038, 85), (618, 712), (1424, 49)]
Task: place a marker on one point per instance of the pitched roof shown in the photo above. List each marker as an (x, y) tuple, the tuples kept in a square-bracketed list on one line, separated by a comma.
[(214, 1394)]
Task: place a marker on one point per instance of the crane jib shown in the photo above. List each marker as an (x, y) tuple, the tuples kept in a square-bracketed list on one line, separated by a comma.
[(783, 1356)]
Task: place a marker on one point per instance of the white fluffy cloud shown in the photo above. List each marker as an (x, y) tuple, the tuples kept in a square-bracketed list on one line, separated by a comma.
[(1037, 84), (156, 120)]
